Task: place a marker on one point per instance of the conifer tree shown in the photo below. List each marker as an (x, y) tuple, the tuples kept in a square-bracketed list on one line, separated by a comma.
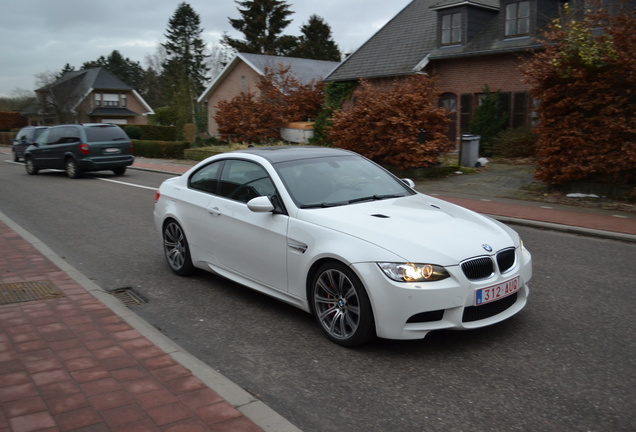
[(184, 70), (316, 41), (262, 22), (125, 69)]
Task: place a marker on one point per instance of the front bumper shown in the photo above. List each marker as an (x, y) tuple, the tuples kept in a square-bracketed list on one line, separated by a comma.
[(411, 310)]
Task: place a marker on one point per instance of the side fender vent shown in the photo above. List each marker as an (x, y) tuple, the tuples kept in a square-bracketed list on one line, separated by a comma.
[(381, 216)]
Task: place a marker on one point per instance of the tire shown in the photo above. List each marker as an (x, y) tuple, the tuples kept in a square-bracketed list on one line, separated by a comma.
[(30, 167), (119, 171), (341, 305), (72, 170), (176, 249), (16, 158)]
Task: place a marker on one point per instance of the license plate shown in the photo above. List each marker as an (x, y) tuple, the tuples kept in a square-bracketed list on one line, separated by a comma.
[(496, 292), (111, 150)]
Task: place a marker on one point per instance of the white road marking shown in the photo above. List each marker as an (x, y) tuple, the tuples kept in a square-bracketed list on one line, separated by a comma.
[(100, 178), (125, 183)]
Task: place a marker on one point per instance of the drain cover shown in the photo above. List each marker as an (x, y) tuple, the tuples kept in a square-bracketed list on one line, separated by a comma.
[(127, 296), (28, 291)]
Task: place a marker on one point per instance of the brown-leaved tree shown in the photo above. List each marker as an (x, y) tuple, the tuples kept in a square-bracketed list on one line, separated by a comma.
[(280, 99), (399, 123), (585, 81)]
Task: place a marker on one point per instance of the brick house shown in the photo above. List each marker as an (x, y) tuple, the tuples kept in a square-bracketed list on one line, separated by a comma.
[(467, 44), (91, 96), (243, 73)]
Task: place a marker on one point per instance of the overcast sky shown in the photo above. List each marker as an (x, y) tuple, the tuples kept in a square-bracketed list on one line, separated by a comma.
[(38, 36)]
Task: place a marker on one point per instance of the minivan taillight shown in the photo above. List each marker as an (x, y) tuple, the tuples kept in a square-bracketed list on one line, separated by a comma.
[(84, 148), (157, 196)]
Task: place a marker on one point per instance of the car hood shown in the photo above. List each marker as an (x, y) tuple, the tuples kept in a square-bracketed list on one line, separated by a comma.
[(418, 228)]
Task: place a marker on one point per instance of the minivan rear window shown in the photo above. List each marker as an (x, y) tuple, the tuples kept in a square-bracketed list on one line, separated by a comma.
[(105, 133)]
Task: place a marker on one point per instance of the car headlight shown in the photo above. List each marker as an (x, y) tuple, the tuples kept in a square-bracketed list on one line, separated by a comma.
[(410, 272)]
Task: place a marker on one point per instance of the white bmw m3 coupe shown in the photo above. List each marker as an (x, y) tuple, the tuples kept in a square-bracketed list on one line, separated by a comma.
[(338, 236)]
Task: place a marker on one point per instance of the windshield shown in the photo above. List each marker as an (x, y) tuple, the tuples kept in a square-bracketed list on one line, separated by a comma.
[(338, 180)]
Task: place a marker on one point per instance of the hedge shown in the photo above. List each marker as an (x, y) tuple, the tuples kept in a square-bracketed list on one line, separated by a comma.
[(198, 154), (12, 120), (152, 132), (159, 149), (6, 138)]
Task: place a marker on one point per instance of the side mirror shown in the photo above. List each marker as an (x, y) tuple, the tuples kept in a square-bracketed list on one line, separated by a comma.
[(410, 183), (260, 204)]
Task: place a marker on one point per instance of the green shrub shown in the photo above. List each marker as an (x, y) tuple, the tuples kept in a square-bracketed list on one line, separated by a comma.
[(160, 149), (189, 132), (514, 143)]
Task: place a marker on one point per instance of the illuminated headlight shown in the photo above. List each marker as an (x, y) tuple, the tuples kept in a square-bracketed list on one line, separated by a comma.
[(409, 272)]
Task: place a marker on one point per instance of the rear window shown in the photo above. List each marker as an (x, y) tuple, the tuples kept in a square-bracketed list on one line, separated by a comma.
[(105, 133)]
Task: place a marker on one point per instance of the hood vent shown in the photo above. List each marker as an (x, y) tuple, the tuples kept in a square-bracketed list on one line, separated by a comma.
[(381, 216)]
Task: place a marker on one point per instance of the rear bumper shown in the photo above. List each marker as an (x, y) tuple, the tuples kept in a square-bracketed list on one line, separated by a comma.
[(105, 163)]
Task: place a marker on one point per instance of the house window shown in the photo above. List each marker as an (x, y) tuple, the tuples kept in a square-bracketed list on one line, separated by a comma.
[(517, 18), (111, 100), (123, 101), (98, 99), (466, 112), (243, 84), (520, 109), (451, 28)]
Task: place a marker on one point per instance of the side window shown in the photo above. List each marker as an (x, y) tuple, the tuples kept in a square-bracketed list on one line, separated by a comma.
[(207, 178), (63, 135), (54, 135), (243, 180)]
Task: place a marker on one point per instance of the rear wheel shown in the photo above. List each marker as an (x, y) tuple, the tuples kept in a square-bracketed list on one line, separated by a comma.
[(30, 166), (119, 171), (16, 158), (72, 170), (176, 250), (341, 305)]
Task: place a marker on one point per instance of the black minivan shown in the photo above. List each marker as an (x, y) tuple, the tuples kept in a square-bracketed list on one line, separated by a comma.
[(79, 148), (25, 137)]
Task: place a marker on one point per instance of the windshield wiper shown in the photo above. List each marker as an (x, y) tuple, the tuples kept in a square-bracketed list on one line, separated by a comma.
[(376, 197), (324, 205)]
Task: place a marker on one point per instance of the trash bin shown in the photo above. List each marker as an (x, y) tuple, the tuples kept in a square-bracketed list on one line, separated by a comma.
[(469, 151)]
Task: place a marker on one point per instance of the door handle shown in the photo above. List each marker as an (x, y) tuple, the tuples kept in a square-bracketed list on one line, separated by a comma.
[(214, 211)]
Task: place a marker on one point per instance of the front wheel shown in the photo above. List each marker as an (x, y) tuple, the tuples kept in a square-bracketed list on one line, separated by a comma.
[(72, 170), (119, 171), (341, 305), (30, 167), (176, 250)]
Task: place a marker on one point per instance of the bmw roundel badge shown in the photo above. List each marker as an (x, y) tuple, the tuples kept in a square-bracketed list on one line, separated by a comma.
[(487, 247)]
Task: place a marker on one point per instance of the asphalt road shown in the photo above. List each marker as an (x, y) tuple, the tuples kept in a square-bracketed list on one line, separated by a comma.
[(567, 362)]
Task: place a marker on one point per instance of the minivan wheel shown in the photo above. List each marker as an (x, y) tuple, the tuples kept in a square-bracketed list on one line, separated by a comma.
[(30, 167), (119, 171), (72, 170)]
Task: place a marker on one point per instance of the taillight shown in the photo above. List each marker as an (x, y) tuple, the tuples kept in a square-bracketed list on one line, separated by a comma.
[(84, 148), (157, 196)]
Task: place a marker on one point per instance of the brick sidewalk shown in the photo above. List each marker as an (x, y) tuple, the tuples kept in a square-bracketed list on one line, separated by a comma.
[(70, 363)]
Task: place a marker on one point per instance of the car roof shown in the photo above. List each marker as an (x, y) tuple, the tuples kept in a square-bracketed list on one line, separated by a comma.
[(287, 153)]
